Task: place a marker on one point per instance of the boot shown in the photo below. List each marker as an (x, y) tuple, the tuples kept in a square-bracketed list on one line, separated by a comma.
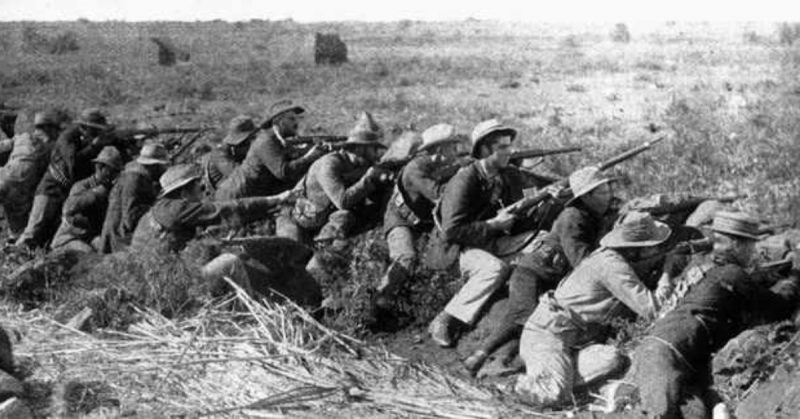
[(440, 330), (475, 361)]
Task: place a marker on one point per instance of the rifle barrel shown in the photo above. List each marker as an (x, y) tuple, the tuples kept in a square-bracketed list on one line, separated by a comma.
[(537, 152), (629, 154)]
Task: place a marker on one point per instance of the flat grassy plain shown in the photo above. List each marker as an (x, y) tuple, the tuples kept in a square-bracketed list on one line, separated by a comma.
[(726, 95)]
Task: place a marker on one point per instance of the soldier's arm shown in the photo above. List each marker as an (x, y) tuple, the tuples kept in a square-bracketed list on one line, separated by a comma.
[(135, 201), (331, 179), (276, 159), (572, 231), (82, 197), (625, 285), (458, 221)]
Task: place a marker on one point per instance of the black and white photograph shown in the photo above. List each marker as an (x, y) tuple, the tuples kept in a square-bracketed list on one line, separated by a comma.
[(352, 209)]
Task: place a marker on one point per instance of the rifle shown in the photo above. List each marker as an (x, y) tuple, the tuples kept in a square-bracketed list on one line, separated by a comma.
[(316, 139), (541, 152), (145, 133), (689, 204), (521, 206), (184, 146)]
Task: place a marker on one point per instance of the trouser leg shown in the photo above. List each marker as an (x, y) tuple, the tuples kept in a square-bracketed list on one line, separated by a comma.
[(485, 273), (43, 221), (400, 241), (549, 368), (658, 376)]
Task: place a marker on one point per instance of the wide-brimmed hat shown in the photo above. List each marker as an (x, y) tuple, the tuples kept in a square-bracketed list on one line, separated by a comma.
[(636, 229), (438, 134), (109, 156), (239, 129), (281, 107), (178, 176), (365, 132), (49, 117), (153, 153), (585, 180), (483, 129), (737, 224), (94, 118)]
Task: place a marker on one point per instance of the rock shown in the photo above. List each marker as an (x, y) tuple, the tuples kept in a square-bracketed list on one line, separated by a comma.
[(15, 408), (777, 398), (329, 49)]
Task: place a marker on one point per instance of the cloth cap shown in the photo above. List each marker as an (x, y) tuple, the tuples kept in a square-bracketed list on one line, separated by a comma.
[(94, 118), (585, 180), (636, 229), (109, 156), (177, 177), (366, 132), (487, 127), (239, 129), (153, 153), (438, 134), (737, 224), (281, 107)]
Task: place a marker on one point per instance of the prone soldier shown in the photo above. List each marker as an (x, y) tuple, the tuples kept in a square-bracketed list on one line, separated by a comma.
[(132, 195), (270, 166), (70, 161), (221, 162), (86, 204), (26, 165)]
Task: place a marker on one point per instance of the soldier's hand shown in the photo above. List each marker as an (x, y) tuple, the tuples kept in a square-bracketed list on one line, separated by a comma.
[(379, 175), (317, 151), (503, 221), (554, 190)]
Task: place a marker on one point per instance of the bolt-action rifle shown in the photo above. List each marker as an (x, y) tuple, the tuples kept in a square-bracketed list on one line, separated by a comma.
[(526, 203), (533, 153)]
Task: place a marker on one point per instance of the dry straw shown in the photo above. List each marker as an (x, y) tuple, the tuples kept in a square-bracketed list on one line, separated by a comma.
[(262, 360)]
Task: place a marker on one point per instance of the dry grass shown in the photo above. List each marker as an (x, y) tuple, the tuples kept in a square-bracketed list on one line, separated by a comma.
[(265, 360)]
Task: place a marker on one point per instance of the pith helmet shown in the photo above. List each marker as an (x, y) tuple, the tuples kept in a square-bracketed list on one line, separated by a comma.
[(487, 127), (239, 129), (736, 224), (177, 177), (110, 157), (636, 229), (438, 134), (153, 153), (585, 180), (366, 132), (281, 107), (94, 118), (47, 118)]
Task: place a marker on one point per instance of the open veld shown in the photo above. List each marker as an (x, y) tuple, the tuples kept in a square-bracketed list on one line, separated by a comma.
[(726, 96)]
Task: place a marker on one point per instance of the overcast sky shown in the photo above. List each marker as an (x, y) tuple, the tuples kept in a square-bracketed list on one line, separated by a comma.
[(376, 10)]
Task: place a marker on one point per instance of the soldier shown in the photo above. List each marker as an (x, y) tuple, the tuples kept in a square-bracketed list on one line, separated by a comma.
[(410, 209), (70, 161), (180, 210), (270, 166), (575, 234), (220, 162), (24, 169), (577, 313), (336, 188), (87, 203), (132, 195), (471, 221), (673, 366)]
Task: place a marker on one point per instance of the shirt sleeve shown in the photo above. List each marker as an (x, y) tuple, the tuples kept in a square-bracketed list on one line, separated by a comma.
[(458, 219), (275, 157), (332, 180), (135, 201), (624, 284)]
